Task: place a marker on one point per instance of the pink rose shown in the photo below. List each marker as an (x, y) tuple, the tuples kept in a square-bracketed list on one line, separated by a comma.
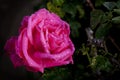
[(43, 42)]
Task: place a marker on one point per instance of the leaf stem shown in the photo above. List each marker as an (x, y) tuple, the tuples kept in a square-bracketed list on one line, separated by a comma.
[(105, 47), (112, 40), (89, 59)]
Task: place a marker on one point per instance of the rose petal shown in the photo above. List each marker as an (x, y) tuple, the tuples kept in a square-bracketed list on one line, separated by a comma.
[(10, 49), (29, 60)]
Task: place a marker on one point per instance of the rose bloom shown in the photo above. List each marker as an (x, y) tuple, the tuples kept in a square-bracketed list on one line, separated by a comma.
[(43, 42)]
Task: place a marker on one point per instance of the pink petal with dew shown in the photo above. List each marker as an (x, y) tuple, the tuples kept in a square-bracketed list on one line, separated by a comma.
[(10, 49), (24, 23), (29, 60), (50, 63), (34, 19)]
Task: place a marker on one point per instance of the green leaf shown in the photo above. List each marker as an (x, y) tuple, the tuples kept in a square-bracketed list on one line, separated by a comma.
[(84, 49), (106, 17), (58, 2), (101, 63), (57, 73), (75, 28), (116, 20), (96, 17), (70, 8), (103, 30), (60, 12), (51, 7), (118, 4), (81, 11), (109, 5), (117, 11), (99, 2)]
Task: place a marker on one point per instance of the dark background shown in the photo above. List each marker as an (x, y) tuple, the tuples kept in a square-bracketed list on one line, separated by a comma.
[(11, 14)]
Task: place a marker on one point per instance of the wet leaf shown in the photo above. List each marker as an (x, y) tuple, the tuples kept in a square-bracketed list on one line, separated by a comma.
[(96, 17), (118, 4), (56, 74), (99, 2), (117, 11), (116, 20), (70, 8), (75, 28), (109, 5), (101, 63), (102, 30)]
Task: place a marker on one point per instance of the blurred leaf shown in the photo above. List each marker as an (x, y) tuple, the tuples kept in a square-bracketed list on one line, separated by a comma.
[(102, 30), (93, 51), (106, 17), (104, 26), (51, 7), (116, 20), (109, 5), (101, 63), (93, 63), (75, 28), (104, 53), (58, 2), (70, 8), (117, 11), (81, 11), (57, 74), (60, 12), (118, 4), (96, 16), (99, 2), (84, 49)]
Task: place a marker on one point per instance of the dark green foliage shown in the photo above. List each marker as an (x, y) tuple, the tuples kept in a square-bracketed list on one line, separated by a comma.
[(58, 2), (57, 74), (102, 30), (109, 5), (75, 28), (96, 18), (101, 63), (101, 23), (116, 20), (118, 4), (117, 11), (99, 2), (70, 9)]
